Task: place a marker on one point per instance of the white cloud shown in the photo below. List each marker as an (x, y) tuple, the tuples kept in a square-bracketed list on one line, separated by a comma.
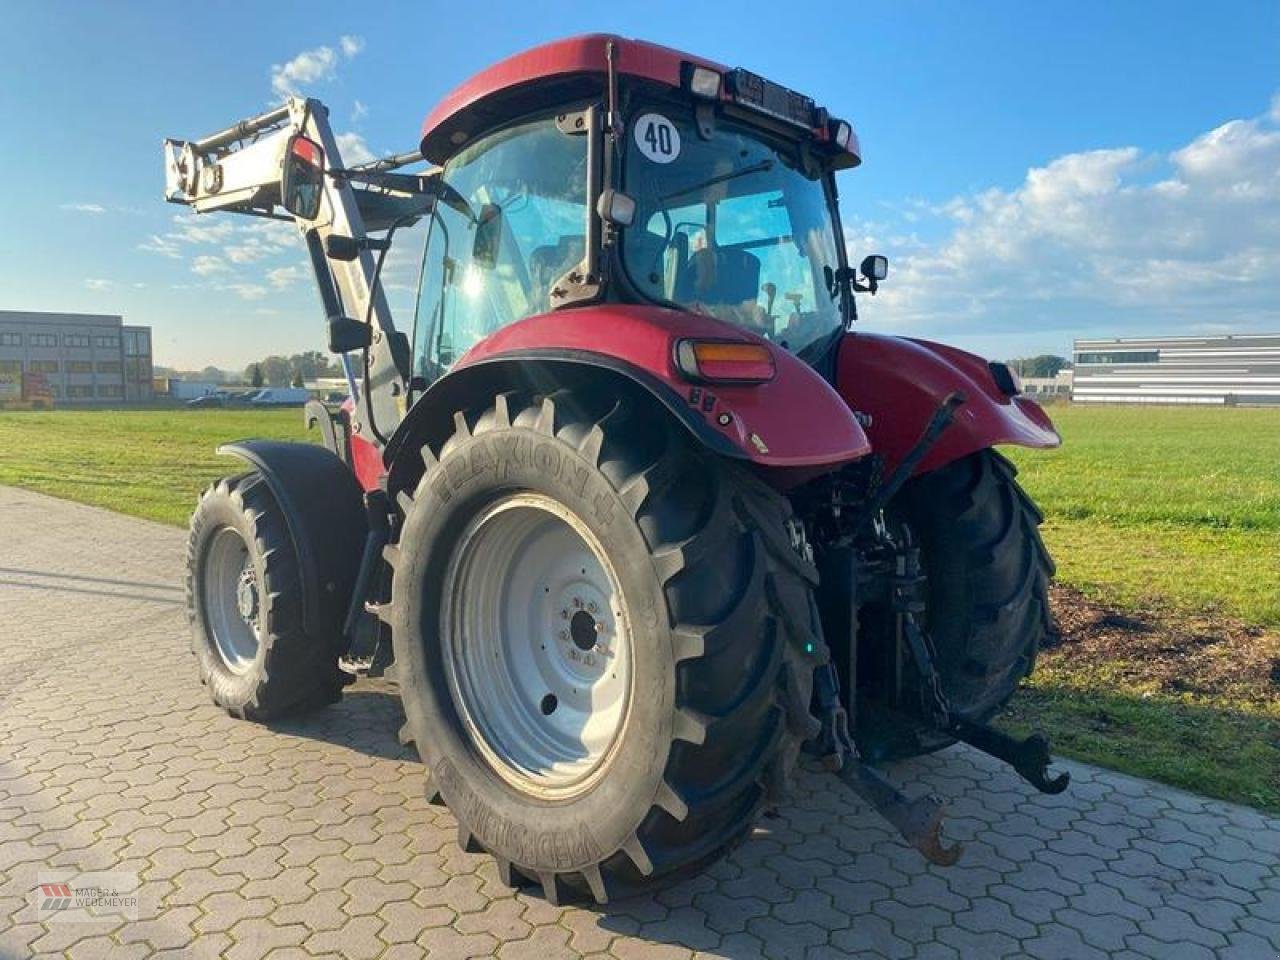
[(282, 277), (312, 66), (207, 266), (248, 291), (353, 149), (198, 228), (96, 283), (1112, 240), (83, 207), (163, 245), (306, 68), (358, 111)]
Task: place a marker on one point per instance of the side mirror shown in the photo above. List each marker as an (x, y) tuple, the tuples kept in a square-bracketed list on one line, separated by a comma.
[(347, 334), (302, 178), (875, 267), (484, 249)]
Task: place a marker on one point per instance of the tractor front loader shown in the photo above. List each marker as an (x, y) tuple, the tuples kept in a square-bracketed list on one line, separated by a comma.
[(633, 513)]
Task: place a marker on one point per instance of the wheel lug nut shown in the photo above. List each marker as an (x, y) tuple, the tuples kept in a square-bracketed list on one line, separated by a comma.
[(564, 634), (591, 607)]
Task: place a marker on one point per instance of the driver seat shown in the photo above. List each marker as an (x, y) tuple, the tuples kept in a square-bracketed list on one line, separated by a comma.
[(727, 275)]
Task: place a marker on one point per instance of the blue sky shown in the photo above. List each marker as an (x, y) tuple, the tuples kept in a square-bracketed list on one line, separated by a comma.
[(1034, 171)]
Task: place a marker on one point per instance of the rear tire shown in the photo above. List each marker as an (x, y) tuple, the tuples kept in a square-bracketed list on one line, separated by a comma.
[(987, 595), (244, 604), (715, 603)]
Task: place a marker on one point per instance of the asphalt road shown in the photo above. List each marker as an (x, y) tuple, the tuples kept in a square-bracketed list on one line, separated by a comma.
[(313, 839)]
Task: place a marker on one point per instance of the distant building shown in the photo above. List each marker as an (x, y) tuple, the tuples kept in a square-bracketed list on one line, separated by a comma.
[(1237, 369), (1044, 387), (81, 357)]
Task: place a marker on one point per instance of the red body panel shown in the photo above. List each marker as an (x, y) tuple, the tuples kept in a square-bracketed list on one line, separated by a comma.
[(900, 382), (561, 58), (797, 419), (366, 456)]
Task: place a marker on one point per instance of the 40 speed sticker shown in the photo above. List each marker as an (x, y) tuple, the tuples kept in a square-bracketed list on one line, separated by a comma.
[(657, 138)]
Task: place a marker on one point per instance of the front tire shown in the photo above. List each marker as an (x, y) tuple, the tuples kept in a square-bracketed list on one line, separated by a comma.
[(580, 498), (244, 604)]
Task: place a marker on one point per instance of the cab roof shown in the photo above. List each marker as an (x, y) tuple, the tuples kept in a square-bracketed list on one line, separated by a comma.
[(556, 72)]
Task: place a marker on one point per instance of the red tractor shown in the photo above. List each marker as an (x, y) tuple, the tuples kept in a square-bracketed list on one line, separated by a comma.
[(631, 513)]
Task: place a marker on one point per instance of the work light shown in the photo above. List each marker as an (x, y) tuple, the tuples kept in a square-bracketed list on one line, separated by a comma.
[(704, 82)]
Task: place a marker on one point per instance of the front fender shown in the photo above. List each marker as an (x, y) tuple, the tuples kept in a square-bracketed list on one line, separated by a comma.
[(895, 384), (323, 508), (794, 421)]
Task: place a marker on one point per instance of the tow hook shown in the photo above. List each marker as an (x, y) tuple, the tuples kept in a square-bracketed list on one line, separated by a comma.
[(919, 821), (1029, 757)]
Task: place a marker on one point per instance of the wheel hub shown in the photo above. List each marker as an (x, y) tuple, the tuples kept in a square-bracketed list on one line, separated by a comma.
[(538, 655), (247, 595), (231, 601)]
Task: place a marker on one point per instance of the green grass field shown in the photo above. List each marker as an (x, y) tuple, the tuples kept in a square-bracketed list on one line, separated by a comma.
[(1165, 505), (1170, 512), (148, 463)]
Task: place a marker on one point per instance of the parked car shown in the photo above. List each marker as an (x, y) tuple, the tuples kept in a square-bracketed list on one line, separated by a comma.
[(281, 397), (217, 399)]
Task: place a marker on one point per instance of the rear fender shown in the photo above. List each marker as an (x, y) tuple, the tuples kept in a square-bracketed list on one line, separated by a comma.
[(795, 424), (323, 508), (895, 384)]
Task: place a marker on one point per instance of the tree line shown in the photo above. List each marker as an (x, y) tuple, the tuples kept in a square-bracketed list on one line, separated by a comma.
[(1044, 365)]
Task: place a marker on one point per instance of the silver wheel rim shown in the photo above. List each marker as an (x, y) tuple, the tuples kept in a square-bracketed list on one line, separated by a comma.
[(232, 601), (536, 644)]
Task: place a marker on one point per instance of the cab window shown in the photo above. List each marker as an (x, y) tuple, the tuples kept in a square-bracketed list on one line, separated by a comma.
[(515, 225)]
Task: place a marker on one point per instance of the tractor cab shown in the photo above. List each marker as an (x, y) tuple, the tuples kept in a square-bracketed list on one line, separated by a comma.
[(602, 169)]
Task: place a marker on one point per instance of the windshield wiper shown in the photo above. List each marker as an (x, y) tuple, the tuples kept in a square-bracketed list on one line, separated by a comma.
[(761, 167)]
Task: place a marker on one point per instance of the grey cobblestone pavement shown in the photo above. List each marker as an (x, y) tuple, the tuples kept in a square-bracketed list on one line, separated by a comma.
[(313, 839)]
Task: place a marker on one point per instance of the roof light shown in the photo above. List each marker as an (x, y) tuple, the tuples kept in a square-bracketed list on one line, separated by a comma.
[(704, 82), (841, 133), (725, 361)]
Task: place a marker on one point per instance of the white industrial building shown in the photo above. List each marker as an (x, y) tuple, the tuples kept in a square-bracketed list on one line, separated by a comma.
[(1238, 369)]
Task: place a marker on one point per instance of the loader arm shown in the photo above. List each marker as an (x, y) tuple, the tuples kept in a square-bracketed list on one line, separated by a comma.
[(239, 170)]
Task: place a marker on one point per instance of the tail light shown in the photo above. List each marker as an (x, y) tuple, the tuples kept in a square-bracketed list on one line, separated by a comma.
[(725, 361)]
